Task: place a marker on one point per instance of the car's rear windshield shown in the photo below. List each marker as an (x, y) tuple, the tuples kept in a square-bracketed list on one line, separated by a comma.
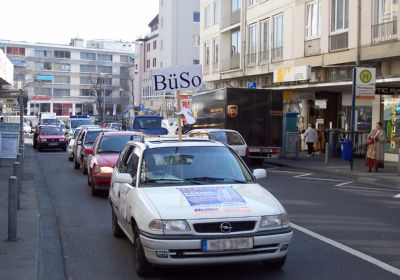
[(91, 136), (80, 122), (192, 165), (115, 143), (49, 121), (147, 123), (227, 137), (51, 131)]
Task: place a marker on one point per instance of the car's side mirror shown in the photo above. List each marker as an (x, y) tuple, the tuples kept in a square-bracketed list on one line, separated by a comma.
[(123, 178), (259, 173)]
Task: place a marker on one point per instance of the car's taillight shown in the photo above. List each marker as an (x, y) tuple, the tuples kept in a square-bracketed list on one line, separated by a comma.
[(247, 152)]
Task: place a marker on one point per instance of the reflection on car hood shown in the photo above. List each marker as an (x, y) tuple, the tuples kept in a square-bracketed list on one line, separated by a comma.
[(212, 201), (56, 136), (107, 159)]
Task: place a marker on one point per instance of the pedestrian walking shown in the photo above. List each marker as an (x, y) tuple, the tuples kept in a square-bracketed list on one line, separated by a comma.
[(375, 152), (310, 137)]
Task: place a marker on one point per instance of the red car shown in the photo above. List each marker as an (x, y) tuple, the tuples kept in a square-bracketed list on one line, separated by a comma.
[(104, 155), (49, 137)]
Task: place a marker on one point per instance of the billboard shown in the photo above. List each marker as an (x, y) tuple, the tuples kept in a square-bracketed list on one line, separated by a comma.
[(6, 70)]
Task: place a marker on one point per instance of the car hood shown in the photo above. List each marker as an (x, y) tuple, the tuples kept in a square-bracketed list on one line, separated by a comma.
[(213, 201), (52, 136), (109, 159)]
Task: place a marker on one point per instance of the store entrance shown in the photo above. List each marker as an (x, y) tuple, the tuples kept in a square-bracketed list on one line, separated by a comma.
[(326, 110)]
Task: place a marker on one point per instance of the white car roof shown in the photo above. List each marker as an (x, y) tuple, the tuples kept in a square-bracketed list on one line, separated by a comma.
[(206, 130), (162, 142)]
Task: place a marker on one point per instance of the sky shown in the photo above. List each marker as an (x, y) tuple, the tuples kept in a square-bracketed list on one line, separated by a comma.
[(57, 21)]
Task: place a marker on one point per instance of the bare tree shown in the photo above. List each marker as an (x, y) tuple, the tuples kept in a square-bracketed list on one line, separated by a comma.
[(97, 82)]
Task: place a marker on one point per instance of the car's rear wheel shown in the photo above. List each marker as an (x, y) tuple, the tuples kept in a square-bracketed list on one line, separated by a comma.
[(116, 229), (276, 264), (70, 158), (84, 169), (76, 164), (89, 180), (142, 266)]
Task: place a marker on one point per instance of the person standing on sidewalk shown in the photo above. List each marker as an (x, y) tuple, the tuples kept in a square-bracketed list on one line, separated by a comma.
[(375, 152), (310, 137)]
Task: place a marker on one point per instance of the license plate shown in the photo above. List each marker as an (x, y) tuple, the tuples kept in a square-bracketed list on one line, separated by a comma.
[(227, 244), (53, 144)]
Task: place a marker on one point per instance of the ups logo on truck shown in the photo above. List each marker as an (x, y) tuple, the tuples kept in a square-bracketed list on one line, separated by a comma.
[(232, 111)]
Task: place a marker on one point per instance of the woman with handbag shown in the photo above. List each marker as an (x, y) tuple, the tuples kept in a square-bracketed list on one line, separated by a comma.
[(375, 152)]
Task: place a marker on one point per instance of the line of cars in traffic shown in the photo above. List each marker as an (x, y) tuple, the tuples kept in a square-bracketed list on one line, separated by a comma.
[(193, 202)]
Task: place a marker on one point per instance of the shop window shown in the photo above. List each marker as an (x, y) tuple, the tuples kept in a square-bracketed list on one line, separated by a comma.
[(391, 119), (363, 117)]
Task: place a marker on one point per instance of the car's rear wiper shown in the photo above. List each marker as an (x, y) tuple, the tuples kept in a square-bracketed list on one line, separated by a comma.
[(205, 178)]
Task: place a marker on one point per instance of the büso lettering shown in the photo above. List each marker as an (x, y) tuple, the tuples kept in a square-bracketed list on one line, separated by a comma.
[(174, 82)]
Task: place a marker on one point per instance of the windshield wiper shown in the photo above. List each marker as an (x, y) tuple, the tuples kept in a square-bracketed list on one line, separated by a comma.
[(147, 180), (205, 178)]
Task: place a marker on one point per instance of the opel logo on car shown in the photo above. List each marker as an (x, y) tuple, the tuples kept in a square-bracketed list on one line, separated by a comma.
[(225, 227)]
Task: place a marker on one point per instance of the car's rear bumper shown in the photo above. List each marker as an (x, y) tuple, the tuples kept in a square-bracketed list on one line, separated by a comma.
[(189, 252)]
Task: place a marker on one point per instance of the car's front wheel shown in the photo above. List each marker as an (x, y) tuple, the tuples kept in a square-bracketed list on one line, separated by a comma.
[(142, 266), (76, 164)]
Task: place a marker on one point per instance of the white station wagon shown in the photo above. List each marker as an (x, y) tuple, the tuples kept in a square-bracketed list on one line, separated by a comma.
[(194, 202)]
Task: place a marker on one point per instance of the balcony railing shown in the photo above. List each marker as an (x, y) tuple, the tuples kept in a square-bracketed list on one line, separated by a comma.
[(231, 63), (231, 19), (263, 57), (339, 41), (312, 47), (251, 59), (384, 32), (277, 54)]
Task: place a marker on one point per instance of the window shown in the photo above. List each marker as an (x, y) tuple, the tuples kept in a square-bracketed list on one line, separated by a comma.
[(216, 11), (61, 80), (132, 166), (124, 58), (313, 14), (252, 2), (196, 40), (264, 40), (19, 64), (235, 43), (124, 71), (206, 54), (196, 16), (207, 16), (216, 51), (196, 61), (43, 53), (161, 44), (61, 92), (148, 63), (124, 83), (384, 20), (61, 67), (104, 57), (39, 66), (88, 56), (148, 47), (339, 15), (154, 44), (154, 62), (86, 92), (15, 51), (62, 54), (106, 81), (88, 68), (85, 81), (277, 37), (104, 69), (235, 5), (43, 91), (252, 43), (19, 77)]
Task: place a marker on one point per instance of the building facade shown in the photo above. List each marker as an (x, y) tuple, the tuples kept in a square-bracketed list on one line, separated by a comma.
[(63, 78), (174, 41), (308, 49)]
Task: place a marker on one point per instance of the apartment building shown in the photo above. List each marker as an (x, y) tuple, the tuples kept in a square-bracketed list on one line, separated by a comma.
[(174, 40), (63, 78), (307, 49)]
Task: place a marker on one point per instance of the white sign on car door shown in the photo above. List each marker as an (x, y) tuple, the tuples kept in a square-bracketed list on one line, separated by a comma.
[(177, 78)]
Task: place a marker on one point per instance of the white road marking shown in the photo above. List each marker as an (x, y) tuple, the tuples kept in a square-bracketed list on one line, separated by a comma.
[(366, 188), (343, 184), (303, 175), (349, 250), (397, 196)]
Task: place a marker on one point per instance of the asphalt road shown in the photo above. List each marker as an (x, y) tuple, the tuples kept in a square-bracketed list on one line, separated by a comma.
[(364, 220)]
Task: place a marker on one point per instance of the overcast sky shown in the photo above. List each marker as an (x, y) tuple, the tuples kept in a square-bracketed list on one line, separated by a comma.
[(57, 21)]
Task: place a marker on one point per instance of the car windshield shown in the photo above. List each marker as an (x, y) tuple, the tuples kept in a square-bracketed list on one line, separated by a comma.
[(192, 165), (76, 133), (114, 143), (76, 123), (49, 121), (147, 123), (91, 136), (51, 131)]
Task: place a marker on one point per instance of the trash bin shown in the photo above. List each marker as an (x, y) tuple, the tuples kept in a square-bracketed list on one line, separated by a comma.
[(346, 148)]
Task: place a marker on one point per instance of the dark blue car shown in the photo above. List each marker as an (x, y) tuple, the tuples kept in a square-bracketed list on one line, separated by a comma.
[(148, 124)]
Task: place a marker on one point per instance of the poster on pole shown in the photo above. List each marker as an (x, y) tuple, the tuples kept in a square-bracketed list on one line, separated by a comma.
[(365, 83), (177, 78), (9, 144)]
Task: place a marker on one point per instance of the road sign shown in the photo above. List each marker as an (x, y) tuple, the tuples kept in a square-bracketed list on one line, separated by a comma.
[(252, 85), (365, 83)]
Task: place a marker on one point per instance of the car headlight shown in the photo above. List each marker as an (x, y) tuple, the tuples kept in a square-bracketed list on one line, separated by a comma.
[(169, 226), (43, 140), (106, 169), (274, 221), (61, 140)]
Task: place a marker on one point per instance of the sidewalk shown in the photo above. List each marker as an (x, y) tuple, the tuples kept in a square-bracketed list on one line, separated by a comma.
[(386, 177), (19, 259)]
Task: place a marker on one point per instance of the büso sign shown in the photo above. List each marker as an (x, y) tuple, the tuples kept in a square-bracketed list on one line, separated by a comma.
[(177, 78)]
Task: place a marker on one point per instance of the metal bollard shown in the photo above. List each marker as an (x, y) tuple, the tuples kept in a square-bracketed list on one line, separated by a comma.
[(17, 174), (326, 152), (12, 208), (21, 150), (20, 160)]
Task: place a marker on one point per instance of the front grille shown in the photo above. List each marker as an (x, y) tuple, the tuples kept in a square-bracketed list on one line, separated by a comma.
[(216, 227)]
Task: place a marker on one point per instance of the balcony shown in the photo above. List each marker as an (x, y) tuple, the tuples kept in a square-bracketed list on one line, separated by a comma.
[(384, 32), (277, 54), (232, 63), (231, 19), (263, 57), (251, 59), (312, 47), (339, 41)]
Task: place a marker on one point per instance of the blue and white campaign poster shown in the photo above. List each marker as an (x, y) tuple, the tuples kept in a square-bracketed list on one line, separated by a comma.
[(213, 196)]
